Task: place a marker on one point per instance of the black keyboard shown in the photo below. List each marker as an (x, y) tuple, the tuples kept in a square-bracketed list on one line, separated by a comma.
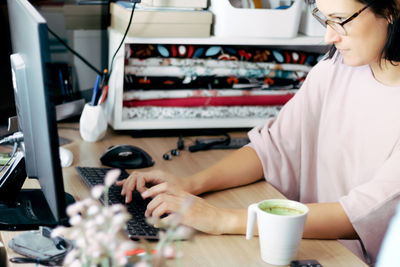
[(137, 226)]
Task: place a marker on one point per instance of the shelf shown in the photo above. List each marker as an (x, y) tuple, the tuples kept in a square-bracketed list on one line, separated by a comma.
[(300, 40), (140, 124), (113, 106)]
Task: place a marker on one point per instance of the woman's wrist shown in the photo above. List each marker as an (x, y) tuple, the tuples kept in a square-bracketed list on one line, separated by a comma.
[(232, 221), (193, 185)]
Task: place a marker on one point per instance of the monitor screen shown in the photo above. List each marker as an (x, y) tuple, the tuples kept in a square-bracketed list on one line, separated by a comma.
[(35, 108)]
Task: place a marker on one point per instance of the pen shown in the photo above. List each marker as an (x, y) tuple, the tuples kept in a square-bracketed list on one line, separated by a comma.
[(95, 91), (137, 252), (63, 90), (103, 78), (103, 95), (103, 88)]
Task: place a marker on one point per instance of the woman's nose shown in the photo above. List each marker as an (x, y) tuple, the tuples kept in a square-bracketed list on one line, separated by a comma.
[(331, 36)]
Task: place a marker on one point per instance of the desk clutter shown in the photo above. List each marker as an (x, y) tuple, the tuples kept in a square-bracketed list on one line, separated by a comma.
[(68, 100), (210, 81), (182, 18)]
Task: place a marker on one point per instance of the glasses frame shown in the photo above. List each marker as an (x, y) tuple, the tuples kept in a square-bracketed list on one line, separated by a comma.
[(335, 25)]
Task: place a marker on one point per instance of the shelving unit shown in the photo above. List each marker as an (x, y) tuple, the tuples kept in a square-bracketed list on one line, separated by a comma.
[(113, 106)]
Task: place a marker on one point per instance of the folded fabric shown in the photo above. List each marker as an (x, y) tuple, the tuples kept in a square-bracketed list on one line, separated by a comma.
[(269, 100), (166, 94), (214, 63), (198, 71), (276, 80), (196, 113), (241, 53)]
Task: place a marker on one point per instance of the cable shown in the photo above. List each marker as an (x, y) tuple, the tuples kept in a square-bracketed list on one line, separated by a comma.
[(116, 52), (122, 41), (16, 137), (16, 145), (206, 145), (74, 52)]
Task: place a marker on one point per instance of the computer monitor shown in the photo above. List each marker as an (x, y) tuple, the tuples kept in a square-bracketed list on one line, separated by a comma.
[(37, 121)]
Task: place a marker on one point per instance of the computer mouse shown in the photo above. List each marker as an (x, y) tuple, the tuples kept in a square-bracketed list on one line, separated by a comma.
[(126, 157), (66, 157)]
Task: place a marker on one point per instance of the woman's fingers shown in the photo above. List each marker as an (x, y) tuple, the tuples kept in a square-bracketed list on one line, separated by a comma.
[(188, 209), (136, 180), (141, 184), (158, 189), (162, 203)]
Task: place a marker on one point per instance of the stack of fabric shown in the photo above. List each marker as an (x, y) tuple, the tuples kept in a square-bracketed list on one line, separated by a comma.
[(206, 81)]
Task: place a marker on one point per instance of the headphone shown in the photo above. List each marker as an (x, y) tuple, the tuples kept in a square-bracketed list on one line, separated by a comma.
[(180, 145)]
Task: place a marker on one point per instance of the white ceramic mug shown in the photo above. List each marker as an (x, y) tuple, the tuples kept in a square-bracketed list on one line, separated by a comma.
[(280, 228), (92, 123)]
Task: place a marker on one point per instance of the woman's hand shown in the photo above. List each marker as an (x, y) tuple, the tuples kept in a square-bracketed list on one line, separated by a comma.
[(194, 211), (141, 181)]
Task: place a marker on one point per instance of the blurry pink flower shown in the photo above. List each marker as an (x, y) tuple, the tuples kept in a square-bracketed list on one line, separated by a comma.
[(76, 263), (142, 264), (71, 256), (169, 252), (111, 177), (59, 231), (93, 210), (74, 208), (75, 220), (116, 208), (100, 220), (97, 191)]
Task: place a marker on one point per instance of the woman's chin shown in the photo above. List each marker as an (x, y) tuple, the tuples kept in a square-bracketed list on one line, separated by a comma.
[(352, 62)]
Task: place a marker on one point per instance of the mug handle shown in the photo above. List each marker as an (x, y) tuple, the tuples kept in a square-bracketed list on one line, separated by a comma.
[(251, 220)]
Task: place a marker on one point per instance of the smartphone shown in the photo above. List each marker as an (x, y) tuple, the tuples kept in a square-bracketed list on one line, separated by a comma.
[(305, 263)]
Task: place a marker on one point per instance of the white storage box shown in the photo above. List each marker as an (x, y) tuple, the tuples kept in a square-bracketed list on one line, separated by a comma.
[(149, 22), (309, 25), (230, 21)]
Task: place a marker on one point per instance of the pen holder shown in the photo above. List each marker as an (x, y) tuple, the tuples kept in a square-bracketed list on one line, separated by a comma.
[(93, 123)]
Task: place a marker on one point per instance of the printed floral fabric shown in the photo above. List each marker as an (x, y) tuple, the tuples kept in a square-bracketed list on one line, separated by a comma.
[(189, 76), (161, 113)]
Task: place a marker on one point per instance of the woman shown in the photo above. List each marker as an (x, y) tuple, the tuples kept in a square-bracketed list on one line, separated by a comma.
[(334, 146)]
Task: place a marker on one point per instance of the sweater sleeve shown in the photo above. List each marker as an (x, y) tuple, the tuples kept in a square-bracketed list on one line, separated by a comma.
[(371, 205), (286, 144)]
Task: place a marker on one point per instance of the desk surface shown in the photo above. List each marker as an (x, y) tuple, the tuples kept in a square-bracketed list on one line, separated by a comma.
[(204, 250)]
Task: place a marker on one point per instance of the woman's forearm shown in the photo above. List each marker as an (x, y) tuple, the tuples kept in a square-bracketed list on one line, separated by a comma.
[(328, 221), (324, 221), (239, 168)]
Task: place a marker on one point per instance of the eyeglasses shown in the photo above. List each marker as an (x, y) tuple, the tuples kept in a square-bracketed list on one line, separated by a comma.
[(336, 25)]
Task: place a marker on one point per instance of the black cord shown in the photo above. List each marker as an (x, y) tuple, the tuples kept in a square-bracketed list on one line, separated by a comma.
[(74, 52), (122, 41), (207, 144), (87, 62), (45, 262)]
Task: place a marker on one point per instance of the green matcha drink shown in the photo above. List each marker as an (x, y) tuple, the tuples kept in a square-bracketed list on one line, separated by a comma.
[(280, 209)]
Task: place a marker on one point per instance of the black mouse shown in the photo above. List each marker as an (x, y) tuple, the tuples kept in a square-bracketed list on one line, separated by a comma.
[(126, 157)]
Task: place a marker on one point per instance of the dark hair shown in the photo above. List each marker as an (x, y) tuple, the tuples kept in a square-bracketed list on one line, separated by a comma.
[(386, 9)]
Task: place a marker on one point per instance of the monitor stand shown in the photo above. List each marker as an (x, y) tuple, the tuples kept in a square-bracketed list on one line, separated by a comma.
[(23, 209)]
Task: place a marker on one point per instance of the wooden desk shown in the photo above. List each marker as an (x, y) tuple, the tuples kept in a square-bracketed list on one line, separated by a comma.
[(205, 250)]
